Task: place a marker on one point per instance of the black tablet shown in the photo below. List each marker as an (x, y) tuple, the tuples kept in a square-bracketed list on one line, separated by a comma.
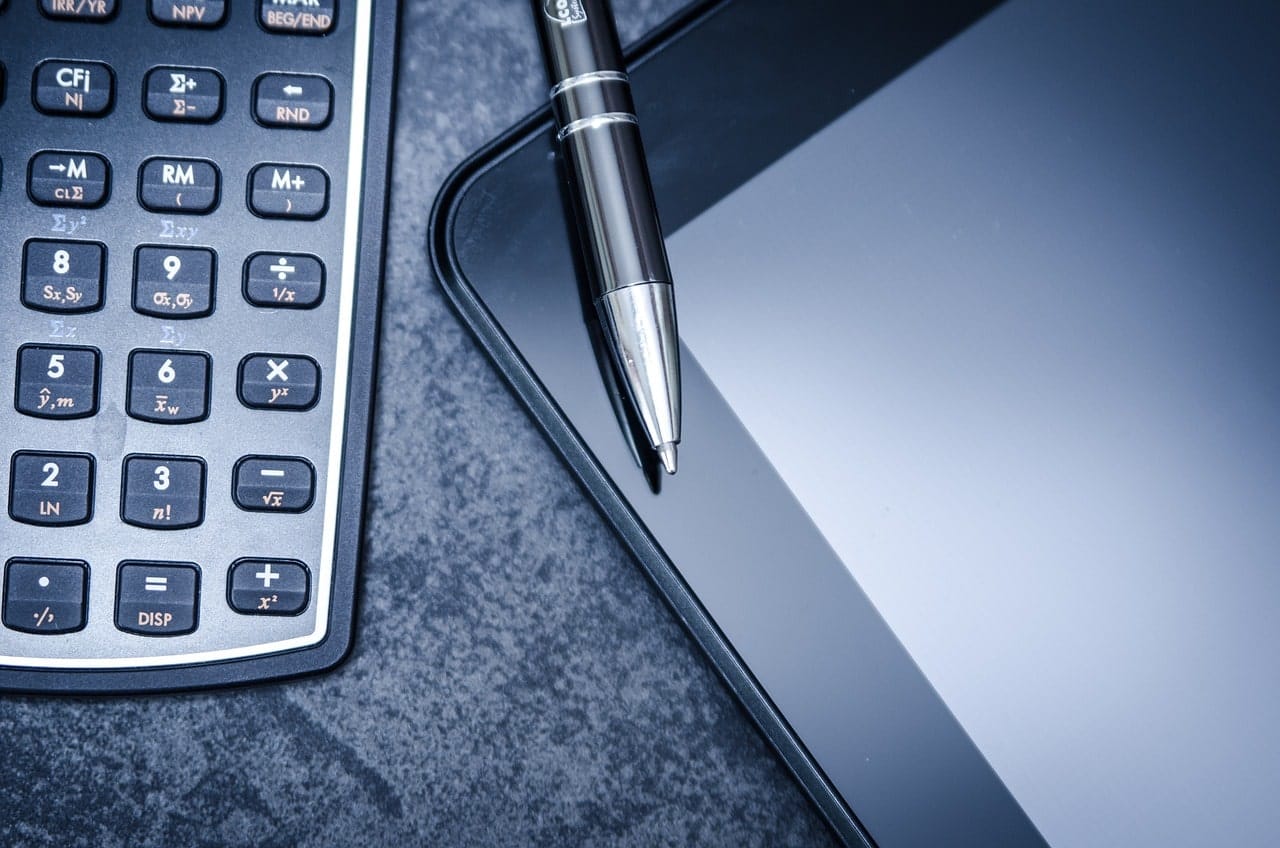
[(979, 491)]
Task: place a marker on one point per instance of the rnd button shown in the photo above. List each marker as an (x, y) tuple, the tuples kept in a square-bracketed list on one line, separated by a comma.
[(306, 17)]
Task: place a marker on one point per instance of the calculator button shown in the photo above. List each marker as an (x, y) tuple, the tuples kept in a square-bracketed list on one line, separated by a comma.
[(57, 382), (178, 185), (279, 381), (289, 191), (301, 101), (68, 178), (157, 598), (273, 484), (268, 586), (166, 387), (45, 595), (192, 95), (53, 489), (305, 17), (73, 88), (163, 492), (173, 282), (284, 280), (63, 276), (190, 13), (79, 10)]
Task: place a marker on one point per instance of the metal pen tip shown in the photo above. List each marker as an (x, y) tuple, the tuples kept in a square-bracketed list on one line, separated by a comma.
[(667, 453)]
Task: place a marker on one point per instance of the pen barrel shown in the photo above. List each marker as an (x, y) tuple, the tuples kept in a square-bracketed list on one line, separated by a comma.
[(578, 37)]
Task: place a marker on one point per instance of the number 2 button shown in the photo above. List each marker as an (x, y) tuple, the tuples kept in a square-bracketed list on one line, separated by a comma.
[(166, 387)]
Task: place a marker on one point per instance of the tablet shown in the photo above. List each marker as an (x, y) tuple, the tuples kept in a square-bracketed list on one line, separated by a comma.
[(977, 508)]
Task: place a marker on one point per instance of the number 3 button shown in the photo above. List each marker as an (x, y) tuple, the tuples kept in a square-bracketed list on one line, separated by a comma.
[(163, 492), (167, 387)]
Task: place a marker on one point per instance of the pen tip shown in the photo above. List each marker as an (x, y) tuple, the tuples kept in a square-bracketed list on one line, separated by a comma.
[(667, 453)]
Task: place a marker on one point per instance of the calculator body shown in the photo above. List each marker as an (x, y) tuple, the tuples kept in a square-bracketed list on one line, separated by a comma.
[(192, 211)]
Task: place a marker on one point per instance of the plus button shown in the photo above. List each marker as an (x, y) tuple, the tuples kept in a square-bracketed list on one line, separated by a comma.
[(266, 575)]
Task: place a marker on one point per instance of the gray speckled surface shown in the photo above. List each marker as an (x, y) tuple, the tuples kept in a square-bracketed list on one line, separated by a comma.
[(516, 680)]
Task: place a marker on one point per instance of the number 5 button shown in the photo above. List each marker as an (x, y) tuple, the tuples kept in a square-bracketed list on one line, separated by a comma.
[(167, 387), (57, 382), (279, 381)]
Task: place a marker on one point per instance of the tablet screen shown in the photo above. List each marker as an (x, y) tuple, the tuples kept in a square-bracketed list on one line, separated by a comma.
[(1009, 331)]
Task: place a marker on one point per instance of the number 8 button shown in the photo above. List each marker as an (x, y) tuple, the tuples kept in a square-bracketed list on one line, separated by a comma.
[(167, 387)]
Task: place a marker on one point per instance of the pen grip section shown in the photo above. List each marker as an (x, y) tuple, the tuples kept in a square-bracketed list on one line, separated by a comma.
[(621, 232)]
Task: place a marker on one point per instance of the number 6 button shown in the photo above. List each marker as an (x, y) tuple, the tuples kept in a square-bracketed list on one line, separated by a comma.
[(167, 387), (163, 492)]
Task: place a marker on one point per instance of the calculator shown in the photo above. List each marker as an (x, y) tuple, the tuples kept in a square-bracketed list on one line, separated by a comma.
[(192, 210)]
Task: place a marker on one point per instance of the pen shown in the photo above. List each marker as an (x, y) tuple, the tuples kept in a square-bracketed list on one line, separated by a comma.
[(631, 277)]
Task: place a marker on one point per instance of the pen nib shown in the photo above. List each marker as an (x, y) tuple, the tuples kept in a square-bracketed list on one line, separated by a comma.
[(667, 453)]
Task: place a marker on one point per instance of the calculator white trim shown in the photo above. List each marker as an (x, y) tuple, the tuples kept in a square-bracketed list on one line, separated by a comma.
[(323, 583)]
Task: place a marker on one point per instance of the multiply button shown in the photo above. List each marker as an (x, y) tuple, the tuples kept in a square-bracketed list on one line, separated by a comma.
[(192, 95), (163, 492), (268, 586), (167, 387), (191, 13), (45, 595), (68, 178), (306, 17), (63, 276), (57, 382), (273, 484), (73, 88), (157, 598), (292, 100), (178, 185), (288, 191), (284, 280), (279, 381), (80, 10), (173, 282), (51, 489)]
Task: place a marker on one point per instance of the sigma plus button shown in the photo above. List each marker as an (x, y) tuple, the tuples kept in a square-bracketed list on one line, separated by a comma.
[(303, 17), (157, 598), (273, 484), (277, 381), (45, 595), (51, 489), (163, 492), (173, 282), (288, 191), (284, 280), (187, 95), (178, 185), (67, 178), (167, 387), (84, 89), (189, 13), (301, 101), (268, 587), (57, 382), (79, 10), (63, 276)]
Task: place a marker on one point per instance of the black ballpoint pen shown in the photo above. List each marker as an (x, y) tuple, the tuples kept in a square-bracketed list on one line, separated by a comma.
[(600, 141)]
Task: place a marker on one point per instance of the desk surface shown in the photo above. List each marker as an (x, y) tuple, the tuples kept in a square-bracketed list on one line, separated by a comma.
[(516, 680)]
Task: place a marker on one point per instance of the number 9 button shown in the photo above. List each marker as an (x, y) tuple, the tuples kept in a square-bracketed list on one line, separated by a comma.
[(173, 283), (167, 387)]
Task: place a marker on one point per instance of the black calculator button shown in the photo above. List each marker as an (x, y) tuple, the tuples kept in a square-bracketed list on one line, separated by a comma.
[(45, 595), (63, 276), (52, 489), (268, 586), (79, 10), (68, 178), (273, 484), (173, 282), (189, 13), (284, 280), (167, 387), (289, 191), (163, 492), (61, 87), (191, 95), (303, 17), (57, 382), (178, 185), (301, 101), (279, 381), (157, 598)]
